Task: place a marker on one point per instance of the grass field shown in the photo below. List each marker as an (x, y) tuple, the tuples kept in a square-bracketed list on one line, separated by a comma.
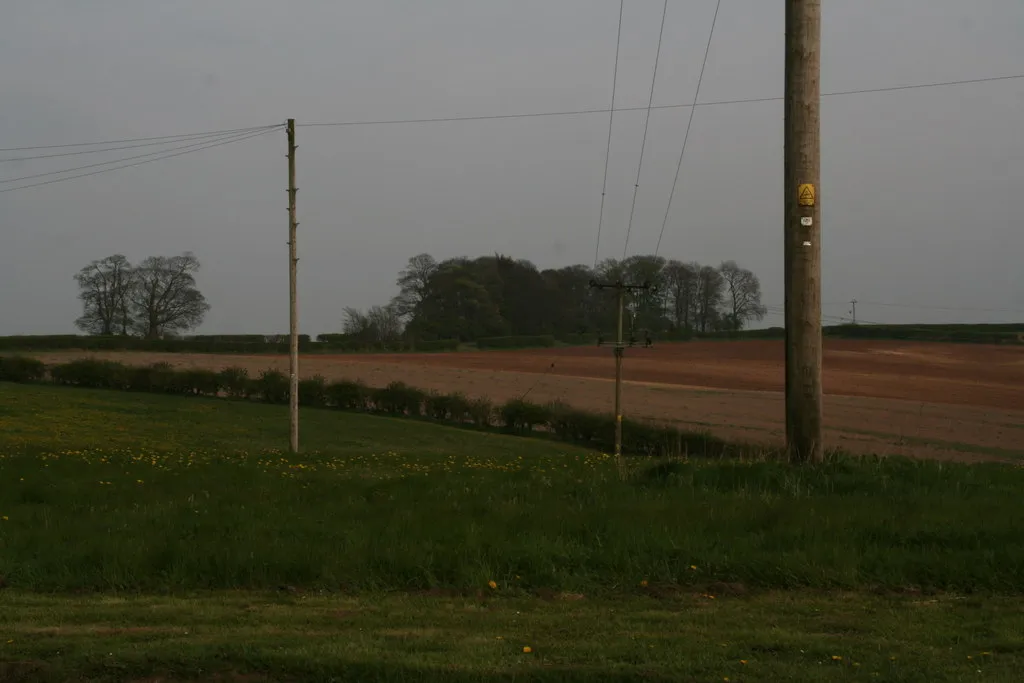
[(146, 536)]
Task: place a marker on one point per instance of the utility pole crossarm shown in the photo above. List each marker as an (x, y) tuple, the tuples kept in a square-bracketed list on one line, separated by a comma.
[(621, 285)]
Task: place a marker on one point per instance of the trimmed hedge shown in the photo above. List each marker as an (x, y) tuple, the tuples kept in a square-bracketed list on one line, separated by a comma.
[(329, 343), (21, 369), (518, 342), (272, 386), (313, 391), (85, 343), (435, 345), (961, 334), (244, 338), (397, 399), (577, 339), (236, 383), (763, 333), (345, 395), (235, 344)]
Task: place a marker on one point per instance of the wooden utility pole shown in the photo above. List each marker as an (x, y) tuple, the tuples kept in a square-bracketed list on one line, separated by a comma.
[(293, 325), (618, 347), (853, 310), (803, 231)]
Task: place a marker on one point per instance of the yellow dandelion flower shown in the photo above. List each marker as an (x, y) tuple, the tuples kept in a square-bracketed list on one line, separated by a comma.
[(743, 661), (837, 658), (527, 650), (644, 583), (5, 518), (492, 584)]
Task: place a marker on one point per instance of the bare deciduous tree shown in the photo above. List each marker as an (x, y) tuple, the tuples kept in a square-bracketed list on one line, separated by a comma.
[(680, 282), (743, 295), (413, 284), (708, 295), (355, 323), (105, 287), (379, 324), (386, 323), (164, 297)]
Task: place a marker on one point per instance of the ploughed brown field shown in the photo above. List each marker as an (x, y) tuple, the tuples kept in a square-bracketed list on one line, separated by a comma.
[(957, 401)]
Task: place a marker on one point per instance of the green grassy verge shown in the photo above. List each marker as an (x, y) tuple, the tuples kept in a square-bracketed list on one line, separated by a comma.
[(290, 637), (117, 491)]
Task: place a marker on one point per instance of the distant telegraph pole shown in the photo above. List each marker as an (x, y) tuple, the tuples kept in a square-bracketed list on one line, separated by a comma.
[(853, 310), (293, 326), (803, 231), (619, 347)]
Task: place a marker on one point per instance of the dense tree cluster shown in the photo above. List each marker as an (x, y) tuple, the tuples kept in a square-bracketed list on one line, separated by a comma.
[(153, 299), (495, 296)]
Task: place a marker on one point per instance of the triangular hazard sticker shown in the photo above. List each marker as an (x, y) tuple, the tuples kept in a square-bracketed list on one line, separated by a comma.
[(806, 195)]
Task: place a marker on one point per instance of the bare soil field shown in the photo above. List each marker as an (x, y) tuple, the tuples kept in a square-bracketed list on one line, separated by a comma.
[(951, 401)]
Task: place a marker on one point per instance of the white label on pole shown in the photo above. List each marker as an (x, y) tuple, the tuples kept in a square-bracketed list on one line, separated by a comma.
[(806, 221), (807, 244)]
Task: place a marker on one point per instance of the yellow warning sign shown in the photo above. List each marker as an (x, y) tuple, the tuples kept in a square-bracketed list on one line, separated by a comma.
[(806, 194)]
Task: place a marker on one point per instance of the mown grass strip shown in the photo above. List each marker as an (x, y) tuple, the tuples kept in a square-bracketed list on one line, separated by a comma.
[(770, 636)]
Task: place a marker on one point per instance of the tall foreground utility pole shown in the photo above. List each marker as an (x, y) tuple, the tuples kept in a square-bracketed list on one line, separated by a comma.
[(803, 231), (293, 325), (619, 349)]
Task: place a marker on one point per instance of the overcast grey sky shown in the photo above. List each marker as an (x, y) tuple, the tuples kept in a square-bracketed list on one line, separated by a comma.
[(922, 191)]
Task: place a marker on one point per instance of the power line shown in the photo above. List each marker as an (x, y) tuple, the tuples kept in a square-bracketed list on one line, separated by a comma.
[(146, 161), (942, 308), (186, 138), (491, 117), (834, 319), (115, 161), (712, 103), (577, 112), (942, 84), (159, 137), (647, 121), (779, 310), (608, 148), (689, 123)]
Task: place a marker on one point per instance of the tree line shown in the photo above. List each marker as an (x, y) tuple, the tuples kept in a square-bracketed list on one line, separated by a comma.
[(497, 296), (156, 298), (455, 299)]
